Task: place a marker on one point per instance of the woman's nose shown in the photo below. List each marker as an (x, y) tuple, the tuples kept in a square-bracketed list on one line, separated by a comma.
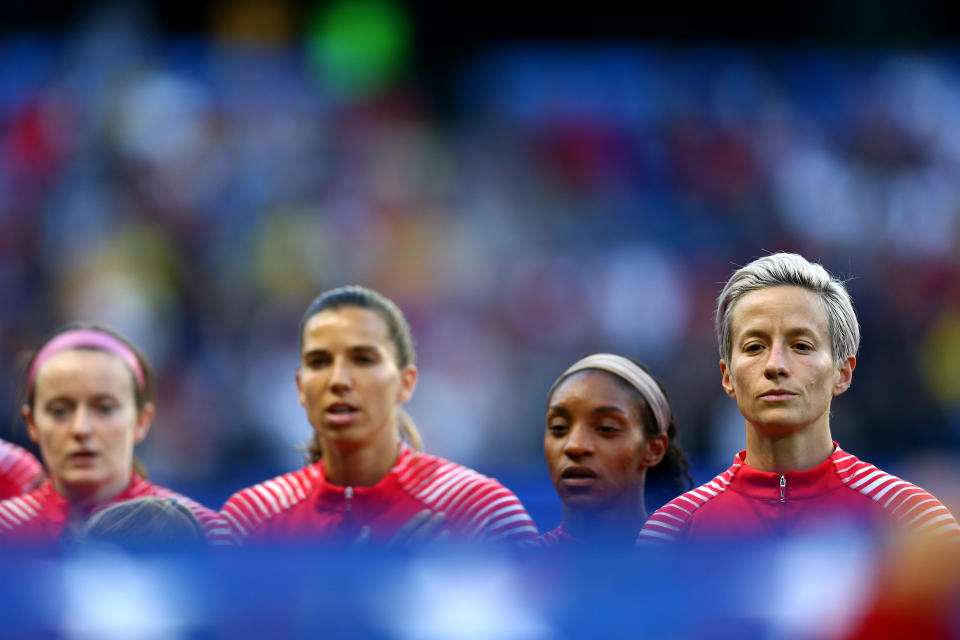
[(340, 375), (80, 426), (578, 443), (776, 364)]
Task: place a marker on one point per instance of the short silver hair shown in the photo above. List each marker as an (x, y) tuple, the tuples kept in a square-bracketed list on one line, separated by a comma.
[(791, 270)]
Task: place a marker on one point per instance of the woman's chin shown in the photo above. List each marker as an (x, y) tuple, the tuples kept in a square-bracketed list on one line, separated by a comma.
[(583, 497), (87, 484)]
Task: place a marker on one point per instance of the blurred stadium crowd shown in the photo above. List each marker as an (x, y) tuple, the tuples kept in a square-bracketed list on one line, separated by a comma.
[(196, 193)]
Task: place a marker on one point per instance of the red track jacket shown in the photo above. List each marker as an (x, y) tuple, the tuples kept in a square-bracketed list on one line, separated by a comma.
[(40, 517), (744, 502), (302, 506), (19, 470)]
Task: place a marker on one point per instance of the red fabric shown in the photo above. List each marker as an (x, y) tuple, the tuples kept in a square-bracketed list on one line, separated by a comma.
[(40, 517), (889, 623), (303, 506), (842, 490), (19, 470), (557, 538)]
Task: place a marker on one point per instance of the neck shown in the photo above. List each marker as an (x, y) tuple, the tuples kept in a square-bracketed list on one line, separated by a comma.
[(362, 467), (82, 498), (618, 523), (797, 451)]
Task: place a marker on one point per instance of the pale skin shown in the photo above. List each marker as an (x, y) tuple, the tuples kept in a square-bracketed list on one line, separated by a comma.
[(349, 364), (783, 376), (598, 453), (85, 420)]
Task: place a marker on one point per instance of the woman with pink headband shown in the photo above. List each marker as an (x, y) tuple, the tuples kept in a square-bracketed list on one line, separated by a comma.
[(610, 433), (88, 398)]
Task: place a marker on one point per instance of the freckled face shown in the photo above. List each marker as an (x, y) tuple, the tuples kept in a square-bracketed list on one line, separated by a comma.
[(594, 443), (348, 380), (781, 371), (85, 420)]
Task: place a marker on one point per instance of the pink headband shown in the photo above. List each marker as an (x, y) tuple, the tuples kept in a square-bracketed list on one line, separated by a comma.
[(87, 338)]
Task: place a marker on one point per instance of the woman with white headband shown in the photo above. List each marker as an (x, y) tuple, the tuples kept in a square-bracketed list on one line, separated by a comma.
[(88, 398), (609, 430)]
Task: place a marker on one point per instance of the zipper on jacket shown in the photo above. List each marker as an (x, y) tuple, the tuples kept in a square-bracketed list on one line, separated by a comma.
[(783, 488), (348, 495)]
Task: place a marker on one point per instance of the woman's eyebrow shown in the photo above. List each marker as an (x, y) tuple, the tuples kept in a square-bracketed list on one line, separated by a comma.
[(609, 409), (557, 409), (363, 348)]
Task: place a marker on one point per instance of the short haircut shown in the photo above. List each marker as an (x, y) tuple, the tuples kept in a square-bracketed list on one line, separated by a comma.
[(791, 270), (145, 522)]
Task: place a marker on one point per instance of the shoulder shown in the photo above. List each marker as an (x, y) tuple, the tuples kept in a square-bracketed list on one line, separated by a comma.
[(18, 467), (249, 508), (907, 504), (556, 538), (212, 522), (670, 521), (19, 510), (479, 506)]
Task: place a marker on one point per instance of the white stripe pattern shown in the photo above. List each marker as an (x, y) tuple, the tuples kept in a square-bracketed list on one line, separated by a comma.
[(906, 500), (249, 508), (468, 499), (21, 511), (474, 505), (19, 470), (658, 526)]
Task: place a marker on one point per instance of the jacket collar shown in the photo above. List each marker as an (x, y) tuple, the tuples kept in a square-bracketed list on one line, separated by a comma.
[(57, 508), (332, 497), (798, 485)]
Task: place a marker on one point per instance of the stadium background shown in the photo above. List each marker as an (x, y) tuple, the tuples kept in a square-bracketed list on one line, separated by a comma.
[(527, 186)]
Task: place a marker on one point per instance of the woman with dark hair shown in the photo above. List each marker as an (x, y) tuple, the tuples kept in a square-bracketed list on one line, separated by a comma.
[(610, 445), (147, 522), (367, 477), (20, 471), (88, 399)]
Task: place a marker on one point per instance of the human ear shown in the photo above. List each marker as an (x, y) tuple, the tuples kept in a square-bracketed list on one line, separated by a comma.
[(144, 420), (726, 381), (408, 382), (844, 375), (27, 416), (656, 448)]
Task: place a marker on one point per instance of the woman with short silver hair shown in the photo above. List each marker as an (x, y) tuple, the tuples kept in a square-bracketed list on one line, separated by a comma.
[(788, 338)]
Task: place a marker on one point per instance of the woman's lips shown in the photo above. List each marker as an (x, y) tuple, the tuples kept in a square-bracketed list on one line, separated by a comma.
[(341, 414), (778, 395), (83, 458), (578, 477)]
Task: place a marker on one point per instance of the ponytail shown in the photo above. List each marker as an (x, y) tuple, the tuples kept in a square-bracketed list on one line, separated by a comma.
[(408, 430)]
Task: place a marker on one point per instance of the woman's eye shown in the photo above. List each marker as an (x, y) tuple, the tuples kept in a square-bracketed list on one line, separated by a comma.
[(753, 347), (802, 346), (557, 429), (607, 430), (58, 412)]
